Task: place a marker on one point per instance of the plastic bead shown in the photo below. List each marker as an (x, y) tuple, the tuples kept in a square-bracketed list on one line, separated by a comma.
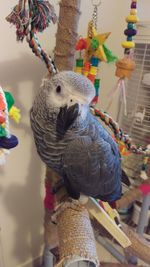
[(128, 44), (79, 62), (81, 44), (130, 25), (93, 70), (79, 70), (94, 61), (85, 73), (2, 131), (2, 117), (129, 38), (133, 5), (95, 100), (87, 66), (2, 104), (132, 18), (9, 99), (91, 78), (130, 32), (97, 82), (97, 86), (8, 143), (133, 11), (97, 91)]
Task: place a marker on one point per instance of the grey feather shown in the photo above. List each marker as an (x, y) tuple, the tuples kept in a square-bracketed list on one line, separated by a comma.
[(86, 156)]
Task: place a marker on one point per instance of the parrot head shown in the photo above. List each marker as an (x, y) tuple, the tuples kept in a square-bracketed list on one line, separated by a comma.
[(68, 97)]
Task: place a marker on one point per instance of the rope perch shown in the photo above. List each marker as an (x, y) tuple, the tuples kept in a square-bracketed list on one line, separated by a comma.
[(119, 134)]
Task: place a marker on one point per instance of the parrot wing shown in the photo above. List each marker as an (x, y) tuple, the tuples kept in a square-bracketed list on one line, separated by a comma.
[(92, 168)]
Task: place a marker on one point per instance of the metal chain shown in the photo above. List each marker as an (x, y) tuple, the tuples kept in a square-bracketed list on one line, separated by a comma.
[(94, 19), (98, 2), (95, 12)]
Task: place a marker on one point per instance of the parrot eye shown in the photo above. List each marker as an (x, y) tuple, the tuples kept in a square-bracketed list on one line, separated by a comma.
[(58, 89)]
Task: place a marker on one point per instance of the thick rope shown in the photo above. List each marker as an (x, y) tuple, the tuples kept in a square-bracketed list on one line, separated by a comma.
[(30, 17), (119, 134)]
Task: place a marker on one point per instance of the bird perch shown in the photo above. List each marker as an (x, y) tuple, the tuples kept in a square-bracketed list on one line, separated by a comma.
[(66, 36), (72, 246)]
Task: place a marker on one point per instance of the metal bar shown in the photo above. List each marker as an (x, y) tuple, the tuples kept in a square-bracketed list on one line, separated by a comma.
[(141, 223), (112, 250), (132, 260), (48, 257), (2, 264), (143, 214)]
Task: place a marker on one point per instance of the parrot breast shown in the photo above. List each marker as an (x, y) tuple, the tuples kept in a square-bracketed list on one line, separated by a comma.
[(50, 146)]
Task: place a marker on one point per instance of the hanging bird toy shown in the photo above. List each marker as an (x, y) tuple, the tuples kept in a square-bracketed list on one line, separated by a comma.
[(7, 109), (95, 52), (126, 65), (31, 17)]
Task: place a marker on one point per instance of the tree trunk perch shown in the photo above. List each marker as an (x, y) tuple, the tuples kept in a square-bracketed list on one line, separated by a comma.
[(69, 219), (66, 36)]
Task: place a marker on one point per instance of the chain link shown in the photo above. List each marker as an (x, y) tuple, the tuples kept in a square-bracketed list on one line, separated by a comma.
[(98, 3), (95, 12), (94, 19)]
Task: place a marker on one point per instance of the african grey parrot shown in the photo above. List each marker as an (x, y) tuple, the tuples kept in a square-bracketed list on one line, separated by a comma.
[(71, 141)]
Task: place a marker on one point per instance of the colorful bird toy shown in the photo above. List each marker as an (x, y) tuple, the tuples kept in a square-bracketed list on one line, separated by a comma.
[(126, 65), (7, 109), (95, 52)]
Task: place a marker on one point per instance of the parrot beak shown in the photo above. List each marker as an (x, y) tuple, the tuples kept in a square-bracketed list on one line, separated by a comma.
[(66, 118)]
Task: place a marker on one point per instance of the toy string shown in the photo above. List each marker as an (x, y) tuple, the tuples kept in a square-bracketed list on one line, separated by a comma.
[(119, 134)]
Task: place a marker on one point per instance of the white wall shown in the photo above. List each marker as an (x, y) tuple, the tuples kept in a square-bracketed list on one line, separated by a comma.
[(22, 178)]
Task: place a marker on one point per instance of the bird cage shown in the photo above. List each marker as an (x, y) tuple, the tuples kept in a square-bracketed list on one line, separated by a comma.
[(1, 253), (137, 121)]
